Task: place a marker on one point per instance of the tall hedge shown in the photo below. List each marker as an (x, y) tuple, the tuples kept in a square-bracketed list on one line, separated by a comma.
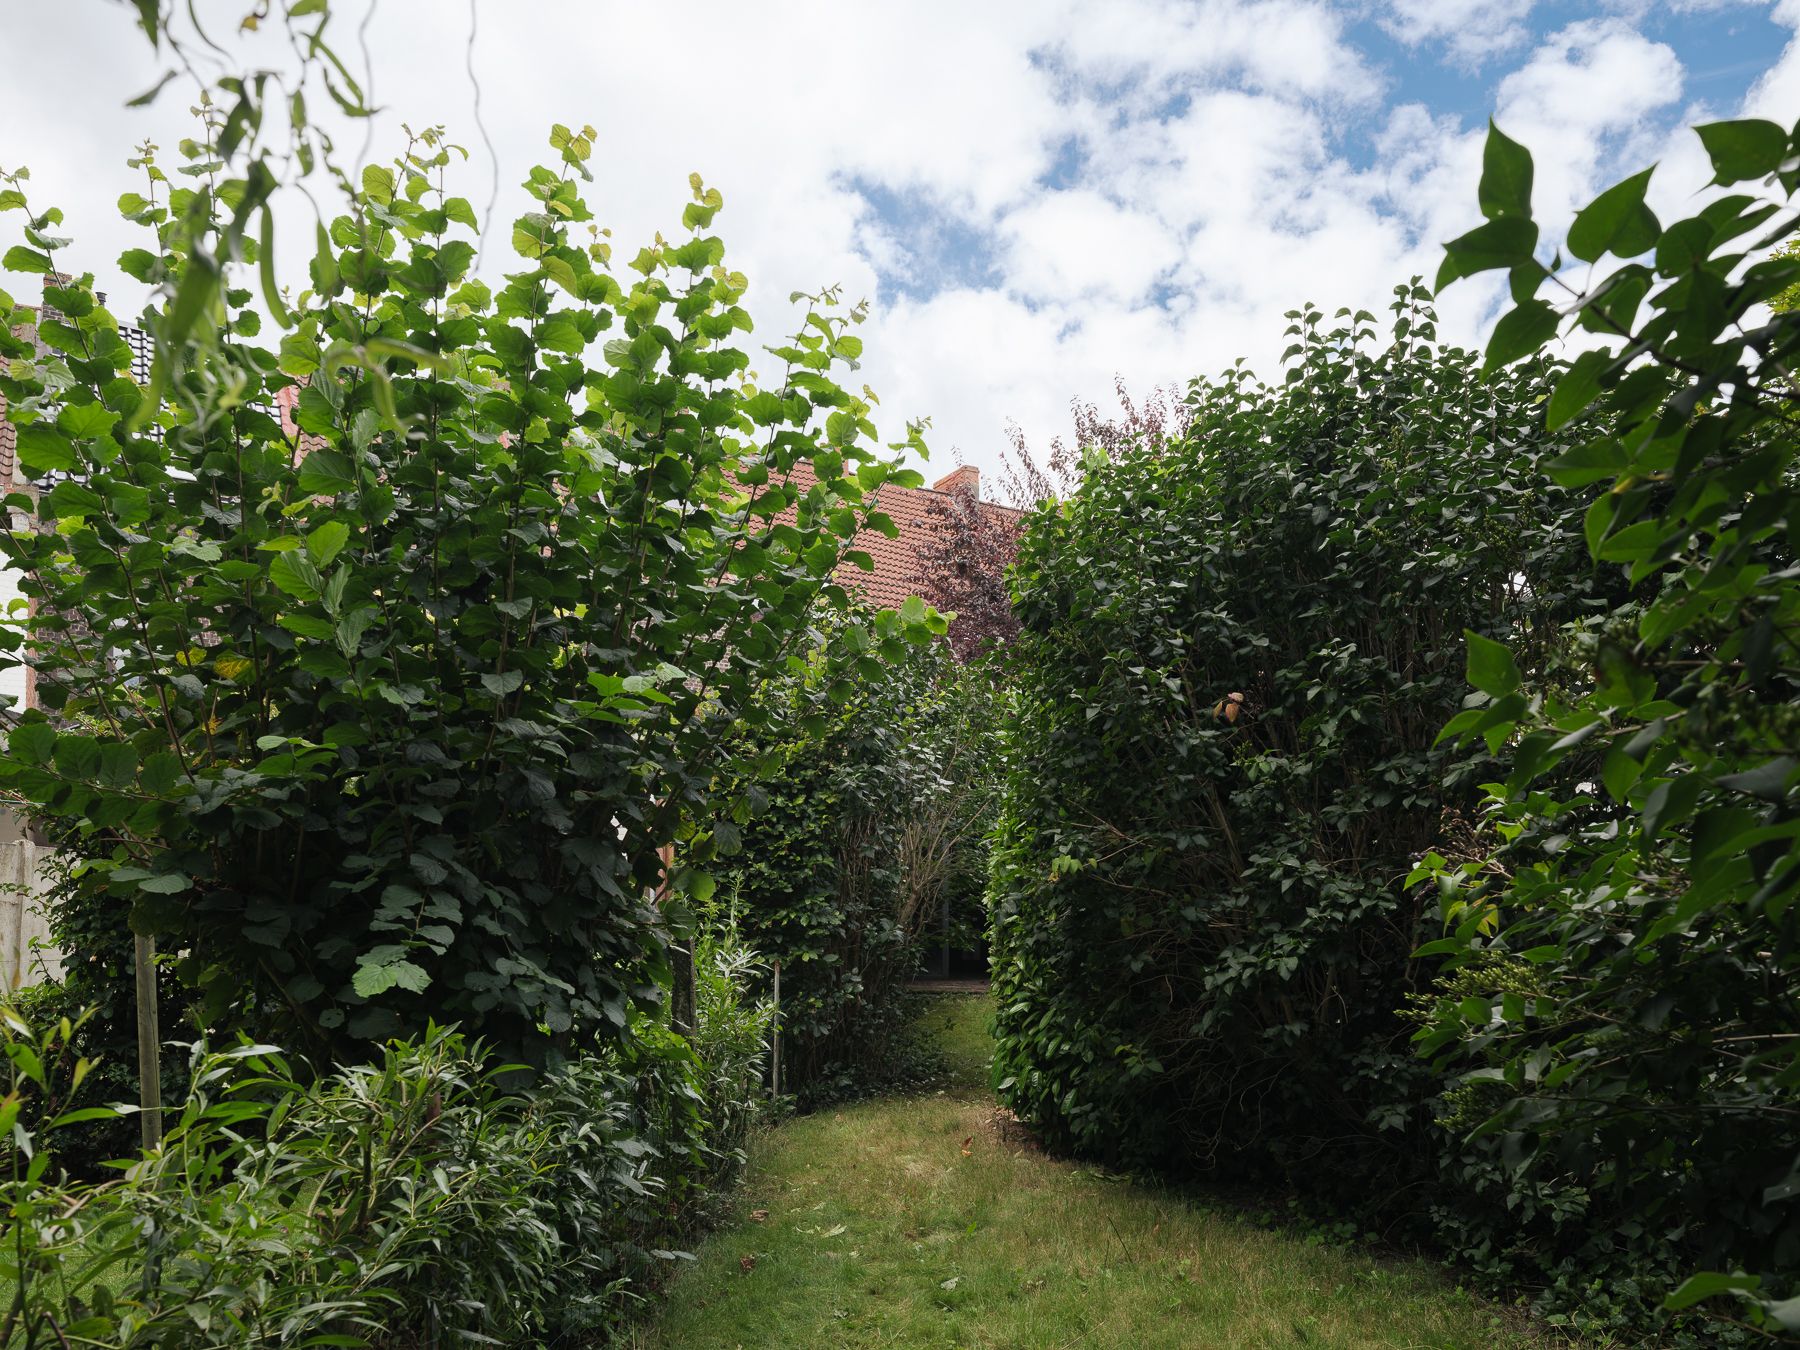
[(1237, 652)]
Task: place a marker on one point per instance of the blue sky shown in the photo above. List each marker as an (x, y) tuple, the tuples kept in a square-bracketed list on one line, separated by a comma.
[(1723, 49), (1036, 195)]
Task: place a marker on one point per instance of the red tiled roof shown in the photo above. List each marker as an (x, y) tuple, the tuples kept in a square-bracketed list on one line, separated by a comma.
[(897, 560)]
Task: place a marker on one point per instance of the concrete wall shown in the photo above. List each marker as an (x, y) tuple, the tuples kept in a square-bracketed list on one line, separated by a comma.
[(21, 885), (12, 680)]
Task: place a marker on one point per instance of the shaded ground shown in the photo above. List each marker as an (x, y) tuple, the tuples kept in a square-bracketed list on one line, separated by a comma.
[(949, 984), (934, 1221)]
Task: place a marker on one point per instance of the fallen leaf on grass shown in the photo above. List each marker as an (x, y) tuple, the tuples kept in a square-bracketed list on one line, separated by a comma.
[(968, 1146), (833, 1232), (746, 1264), (950, 1283), (758, 1215)]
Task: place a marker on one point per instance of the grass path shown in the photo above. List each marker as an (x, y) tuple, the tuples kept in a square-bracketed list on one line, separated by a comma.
[(926, 1221)]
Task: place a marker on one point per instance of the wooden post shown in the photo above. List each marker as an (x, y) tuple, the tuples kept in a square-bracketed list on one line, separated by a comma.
[(149, 1044), (684, 1012), (684, 996), (775, 1033)]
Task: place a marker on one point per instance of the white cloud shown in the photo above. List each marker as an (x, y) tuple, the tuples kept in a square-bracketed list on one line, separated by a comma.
[(1134, 186), (1473, 31), (1075, 244), (1287, 47), (1776, 93), (1584, 100)]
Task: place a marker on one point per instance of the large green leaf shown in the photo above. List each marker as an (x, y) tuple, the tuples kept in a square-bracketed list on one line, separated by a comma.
[(21, 259), (1709, 1284), (1506, 174), (326, 473), (1522, 330), (295, 574), (43, 448), (1502, 243), (1746, 149), (326, 542), (1491, 666), (32, 742), (1577, 388), (1617, 221)]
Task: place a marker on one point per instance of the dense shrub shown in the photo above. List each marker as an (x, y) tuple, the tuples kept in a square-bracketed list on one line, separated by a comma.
[(1238, 649), (388, 714), (1619, 1003), (870, 817), (428, 1198)]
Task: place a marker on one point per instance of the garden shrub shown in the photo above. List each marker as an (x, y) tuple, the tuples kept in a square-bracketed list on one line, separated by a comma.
[(386, 714), (1617, 1002), (1237, 650), (870, 815), (426, 1198)]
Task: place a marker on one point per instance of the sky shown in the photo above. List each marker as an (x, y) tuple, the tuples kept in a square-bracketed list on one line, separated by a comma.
[(1035, 196)]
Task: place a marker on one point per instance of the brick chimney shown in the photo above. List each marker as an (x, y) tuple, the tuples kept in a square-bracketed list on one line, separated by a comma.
[(966, 478)]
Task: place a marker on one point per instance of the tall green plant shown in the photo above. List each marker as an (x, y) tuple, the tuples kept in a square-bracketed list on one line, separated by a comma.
[(1237, 650), (1623, 957), (385, 714), (417, 1200)]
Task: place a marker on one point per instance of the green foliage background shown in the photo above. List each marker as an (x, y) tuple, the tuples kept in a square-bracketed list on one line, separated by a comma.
[(1242, 719), (870, 814)]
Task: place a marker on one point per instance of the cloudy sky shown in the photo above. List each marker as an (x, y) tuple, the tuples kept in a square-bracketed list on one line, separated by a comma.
[(1035, 195)]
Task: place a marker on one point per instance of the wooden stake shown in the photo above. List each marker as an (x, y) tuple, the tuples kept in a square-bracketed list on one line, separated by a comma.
[(149, 1045), (775, 1027), (684, 1013)]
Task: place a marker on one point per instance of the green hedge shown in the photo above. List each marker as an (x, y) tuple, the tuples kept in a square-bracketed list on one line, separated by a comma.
[(1237, 654), (1500, 955)]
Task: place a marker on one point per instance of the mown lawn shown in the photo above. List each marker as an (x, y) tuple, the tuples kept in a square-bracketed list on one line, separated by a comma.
[(933, 1221)]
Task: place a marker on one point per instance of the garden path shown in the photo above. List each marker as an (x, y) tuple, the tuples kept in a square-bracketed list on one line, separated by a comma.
[(936, 1221)]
